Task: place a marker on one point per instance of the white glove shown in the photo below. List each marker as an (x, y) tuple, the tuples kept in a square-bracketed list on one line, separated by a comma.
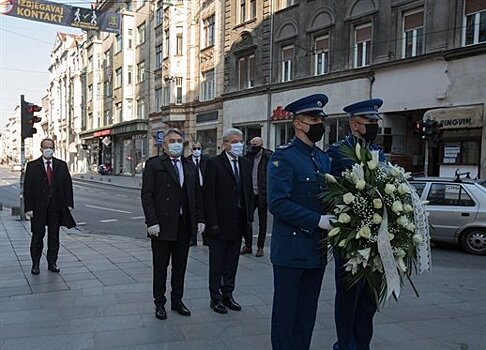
[(325, 221), (154, 230), (200, 228), (30, 214)]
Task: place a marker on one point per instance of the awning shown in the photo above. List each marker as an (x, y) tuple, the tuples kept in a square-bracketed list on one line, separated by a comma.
[(457, 117)]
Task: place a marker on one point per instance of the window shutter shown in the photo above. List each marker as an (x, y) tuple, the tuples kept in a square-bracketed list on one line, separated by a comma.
[(475, 6), (413, 21), (363, 34)]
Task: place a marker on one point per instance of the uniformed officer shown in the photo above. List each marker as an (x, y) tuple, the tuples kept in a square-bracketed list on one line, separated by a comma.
[(298, 227), (354, 306)]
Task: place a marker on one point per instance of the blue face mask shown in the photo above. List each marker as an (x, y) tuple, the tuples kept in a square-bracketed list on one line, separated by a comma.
[(175, 149), (237, 149)]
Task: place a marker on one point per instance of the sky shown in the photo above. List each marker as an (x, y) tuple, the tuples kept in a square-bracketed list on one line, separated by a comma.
[(25, 48)]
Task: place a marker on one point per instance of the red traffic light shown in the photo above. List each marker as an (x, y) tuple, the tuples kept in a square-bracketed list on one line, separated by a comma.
[(33, 109)]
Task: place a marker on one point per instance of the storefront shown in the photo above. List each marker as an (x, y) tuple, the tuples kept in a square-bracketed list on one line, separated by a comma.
[(460, 141), (130, 147), (207, 132)]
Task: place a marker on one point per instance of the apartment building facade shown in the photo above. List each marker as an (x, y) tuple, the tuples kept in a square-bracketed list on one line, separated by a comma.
[(422, 57)]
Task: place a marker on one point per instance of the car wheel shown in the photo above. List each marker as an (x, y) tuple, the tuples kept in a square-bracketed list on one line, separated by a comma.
[(474, 241)]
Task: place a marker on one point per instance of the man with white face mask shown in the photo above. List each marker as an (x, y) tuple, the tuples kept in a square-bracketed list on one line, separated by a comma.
[(172, 204), (48, 199), (200, 162), (228, 204)]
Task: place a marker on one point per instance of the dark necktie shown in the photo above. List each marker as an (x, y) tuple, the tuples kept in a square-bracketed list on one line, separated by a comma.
[(237, 174), (197, 164), (49, 173), (178, 175)]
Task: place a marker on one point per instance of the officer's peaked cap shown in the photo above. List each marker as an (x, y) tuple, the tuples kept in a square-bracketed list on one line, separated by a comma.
[(367, 109), (310, 105)]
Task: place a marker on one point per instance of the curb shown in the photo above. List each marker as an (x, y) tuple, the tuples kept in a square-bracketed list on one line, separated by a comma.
[(107, 182)]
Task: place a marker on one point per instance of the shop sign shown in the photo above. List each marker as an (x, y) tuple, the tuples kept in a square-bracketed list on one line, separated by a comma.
[(457, 118), (207, 117), (102, 133)]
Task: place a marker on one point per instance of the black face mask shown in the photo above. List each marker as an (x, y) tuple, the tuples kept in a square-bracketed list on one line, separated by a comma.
[(315, 132), (255, 149), (371, 132)]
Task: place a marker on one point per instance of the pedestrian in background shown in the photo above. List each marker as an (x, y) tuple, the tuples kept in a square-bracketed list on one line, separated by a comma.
[(355, 305), (300, 223), (259, 158), (199, 160), (228, 203), (172, 204), (48, 201)]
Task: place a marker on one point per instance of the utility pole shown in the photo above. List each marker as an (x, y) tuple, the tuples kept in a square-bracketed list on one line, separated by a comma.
[(426, 158)]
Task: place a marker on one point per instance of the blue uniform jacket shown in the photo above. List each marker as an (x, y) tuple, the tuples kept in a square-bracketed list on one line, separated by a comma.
[(339, 162), (293, 186)]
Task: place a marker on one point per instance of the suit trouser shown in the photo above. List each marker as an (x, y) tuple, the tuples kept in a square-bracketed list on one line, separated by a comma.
[(354, 309), (262, 225), (295, 300), (177, 252), (37, 242)]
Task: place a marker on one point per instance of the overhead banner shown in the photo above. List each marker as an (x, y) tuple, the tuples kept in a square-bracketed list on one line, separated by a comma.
[(64, 15)]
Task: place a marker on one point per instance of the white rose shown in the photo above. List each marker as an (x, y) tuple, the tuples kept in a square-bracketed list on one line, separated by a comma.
[(344, 218), (391, 236), (411, 227), (330, 178), (361, 184), (348, 198), (407, 208), (373, 163), (402, 221), (377, 219), (333, 232), (394, 171), (364, 232), (417, 239), (403, 189), (377, 203), (357, 150), (397, 207), (389, 189)]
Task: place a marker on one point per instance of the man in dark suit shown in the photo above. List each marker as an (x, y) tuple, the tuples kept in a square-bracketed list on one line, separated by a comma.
[(300, 223), (200, 162), (259, 158), (48, 200), (228, 203), (172, 204)]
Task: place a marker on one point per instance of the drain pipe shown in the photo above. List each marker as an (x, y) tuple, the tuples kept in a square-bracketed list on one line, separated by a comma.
[(269, 85)]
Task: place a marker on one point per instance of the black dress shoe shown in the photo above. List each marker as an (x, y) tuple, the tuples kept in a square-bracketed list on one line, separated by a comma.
[(53, 268), (160, 312), (218, 307), (231, 304), (180, 308), (35, 269)]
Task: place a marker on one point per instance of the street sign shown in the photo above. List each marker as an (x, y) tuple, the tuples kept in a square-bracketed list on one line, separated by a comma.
[(64, 15), (159, 139)]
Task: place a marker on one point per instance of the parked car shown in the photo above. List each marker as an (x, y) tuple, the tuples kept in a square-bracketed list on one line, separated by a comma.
[(105, 169), (457, 210), (140, 167)]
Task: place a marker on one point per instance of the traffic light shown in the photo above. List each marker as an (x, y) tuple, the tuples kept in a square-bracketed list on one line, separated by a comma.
[(432, 131), (28, 118), (418, 128)]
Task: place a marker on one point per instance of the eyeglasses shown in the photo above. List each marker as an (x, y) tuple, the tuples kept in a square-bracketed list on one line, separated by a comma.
[(196, 148)]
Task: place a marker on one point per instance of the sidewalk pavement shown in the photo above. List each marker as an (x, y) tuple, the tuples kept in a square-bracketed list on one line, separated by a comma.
[(113, 180), (102, 299)]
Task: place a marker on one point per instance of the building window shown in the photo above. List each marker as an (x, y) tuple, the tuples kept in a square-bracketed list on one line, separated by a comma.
[(118, 78), (108, 88), (130, 38), (178, 81), (158, 56), (284, 133), (287, 3), (108, 58), (166, 95), (179, 41), (287, 59), (242, 11), (246, 72), (158, 99), (159, 14), (474, 22), (141, 108), (90, 64), (207, 86), (118, 43), (167, 43), (141, 33), (322, 55), (413, 33), (141, 72), (208, 32), (118, 112), (253, 9), (130, 75), (107, 118), (362, 47)]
